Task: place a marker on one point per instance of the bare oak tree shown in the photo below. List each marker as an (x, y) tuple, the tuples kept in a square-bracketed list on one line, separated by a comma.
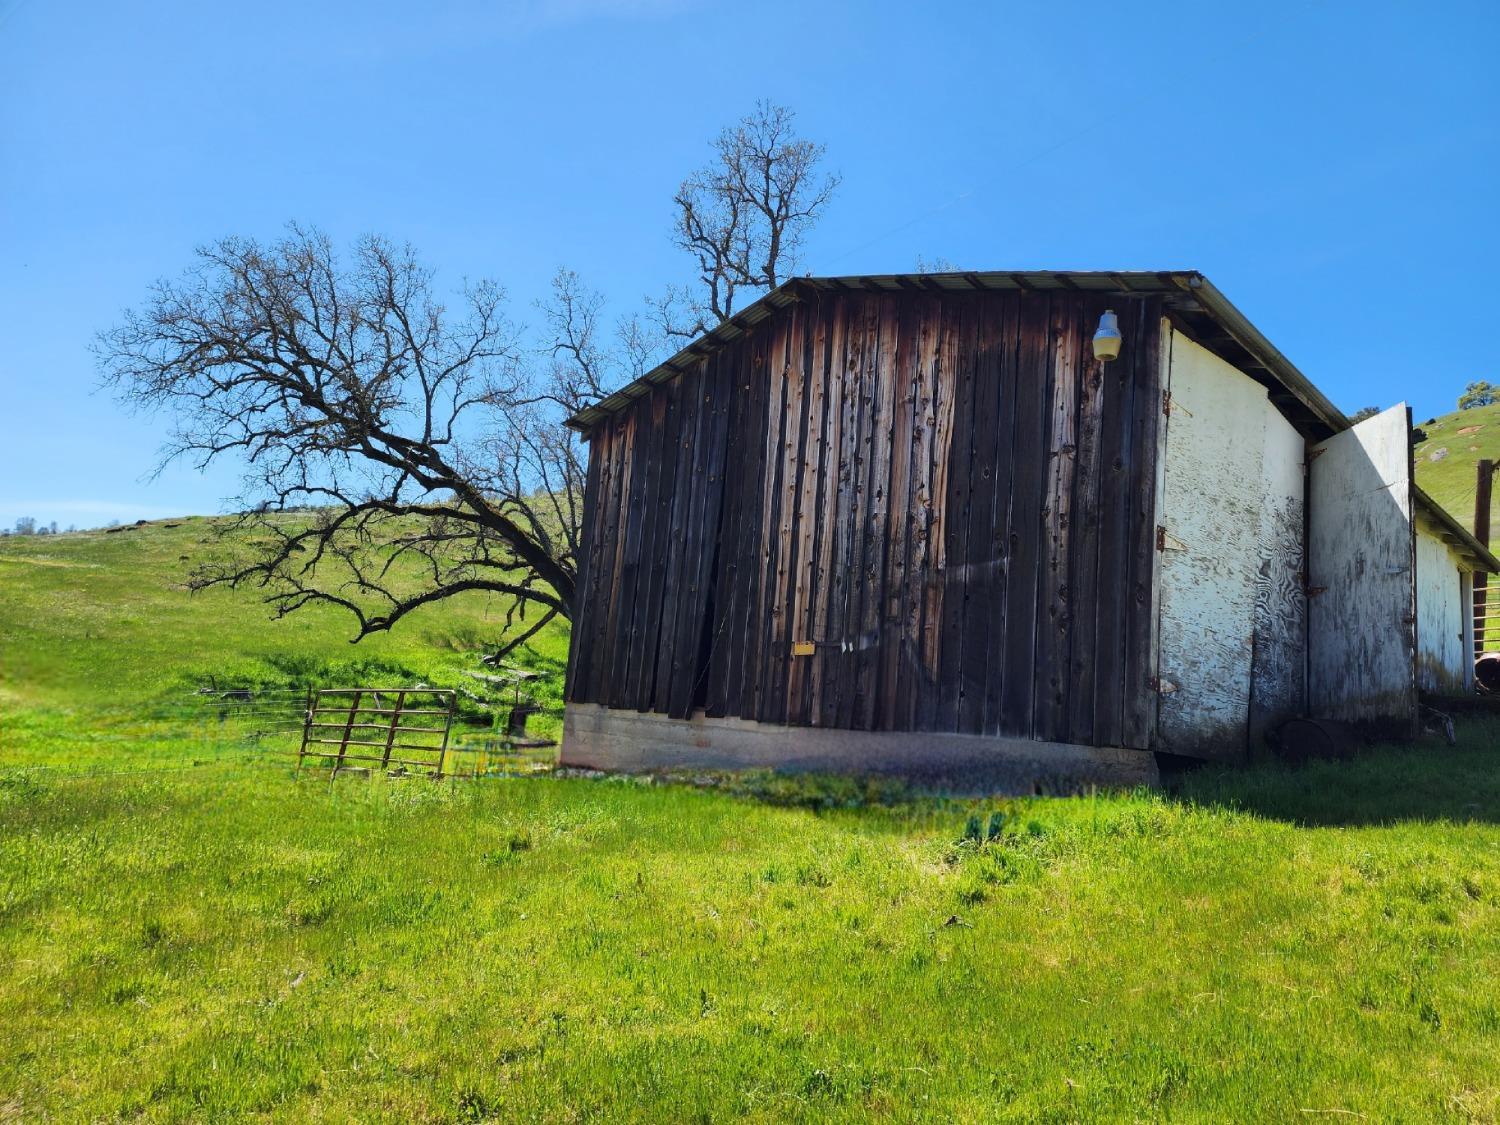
[(395, 452), (743, 217)]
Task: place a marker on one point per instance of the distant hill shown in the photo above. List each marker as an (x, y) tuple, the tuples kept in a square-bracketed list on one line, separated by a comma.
[(106, 617), (1445, 460)]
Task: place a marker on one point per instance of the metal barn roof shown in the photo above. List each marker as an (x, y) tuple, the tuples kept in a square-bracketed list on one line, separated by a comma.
[(1207, 315)]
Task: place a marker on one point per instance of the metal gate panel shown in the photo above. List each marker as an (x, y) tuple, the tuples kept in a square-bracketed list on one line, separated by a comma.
[(403, 727)]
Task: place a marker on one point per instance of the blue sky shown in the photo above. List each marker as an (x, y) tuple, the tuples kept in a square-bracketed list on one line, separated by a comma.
[(1334, 168)]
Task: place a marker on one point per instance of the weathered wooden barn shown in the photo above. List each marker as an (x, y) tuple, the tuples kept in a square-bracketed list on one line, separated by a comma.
[(911, 523)]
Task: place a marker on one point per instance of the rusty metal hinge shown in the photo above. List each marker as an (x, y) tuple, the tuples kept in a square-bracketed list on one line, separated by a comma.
[(1163, 686), (1169, 404), (1165, 541), (1305, 580)]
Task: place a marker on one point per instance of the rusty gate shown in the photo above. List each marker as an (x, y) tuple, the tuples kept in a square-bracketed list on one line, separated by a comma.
[(405, 728)]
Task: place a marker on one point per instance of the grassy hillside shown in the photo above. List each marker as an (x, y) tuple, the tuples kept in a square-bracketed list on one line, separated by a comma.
[(100, 619), (1445, 460), (190, 932)]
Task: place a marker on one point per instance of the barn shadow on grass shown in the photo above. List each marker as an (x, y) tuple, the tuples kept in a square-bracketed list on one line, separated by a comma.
[(1424, 781)]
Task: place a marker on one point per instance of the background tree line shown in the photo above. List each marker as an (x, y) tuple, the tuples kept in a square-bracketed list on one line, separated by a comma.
[(27, 525)]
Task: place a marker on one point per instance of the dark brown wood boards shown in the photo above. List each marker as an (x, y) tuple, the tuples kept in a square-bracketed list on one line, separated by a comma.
[(885, 510)]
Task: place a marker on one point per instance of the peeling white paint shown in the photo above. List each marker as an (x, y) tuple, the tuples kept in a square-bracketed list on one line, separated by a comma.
[(1441, 663), (1361, 628), (1278, 685), (1213, 499)]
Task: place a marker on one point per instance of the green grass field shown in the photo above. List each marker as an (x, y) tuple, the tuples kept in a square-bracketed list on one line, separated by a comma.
[(1445, 460), (104, 619), (225, 941)]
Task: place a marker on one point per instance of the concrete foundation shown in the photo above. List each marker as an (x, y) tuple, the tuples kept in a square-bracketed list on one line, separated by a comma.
[(597, 737)]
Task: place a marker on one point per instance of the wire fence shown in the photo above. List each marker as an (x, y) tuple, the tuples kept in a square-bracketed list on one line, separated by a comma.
[(490, 738)]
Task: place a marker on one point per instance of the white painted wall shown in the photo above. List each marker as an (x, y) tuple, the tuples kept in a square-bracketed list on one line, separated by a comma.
[(1278, 684), (1362, 643), (1441, 663), (1231, 498)]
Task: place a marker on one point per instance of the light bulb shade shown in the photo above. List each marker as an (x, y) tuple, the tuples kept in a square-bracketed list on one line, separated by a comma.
[(1107, 339)]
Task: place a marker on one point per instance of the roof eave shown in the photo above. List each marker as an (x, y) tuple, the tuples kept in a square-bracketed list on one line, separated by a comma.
[(737, 325), (1127, 281), (1478, 553), (1250, 338)]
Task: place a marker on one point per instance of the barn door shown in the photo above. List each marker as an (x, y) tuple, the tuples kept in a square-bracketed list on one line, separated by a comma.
[(1209, 547), (1278, 665), (1362, 611)]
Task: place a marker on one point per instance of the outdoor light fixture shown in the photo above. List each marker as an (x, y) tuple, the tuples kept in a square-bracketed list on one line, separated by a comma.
[(1107, 339)]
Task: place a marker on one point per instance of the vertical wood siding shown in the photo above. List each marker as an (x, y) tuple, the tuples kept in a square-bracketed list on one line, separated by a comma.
[(943, 492)]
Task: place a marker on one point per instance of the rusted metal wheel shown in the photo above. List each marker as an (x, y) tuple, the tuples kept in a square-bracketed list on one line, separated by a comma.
[(1487, 671)]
